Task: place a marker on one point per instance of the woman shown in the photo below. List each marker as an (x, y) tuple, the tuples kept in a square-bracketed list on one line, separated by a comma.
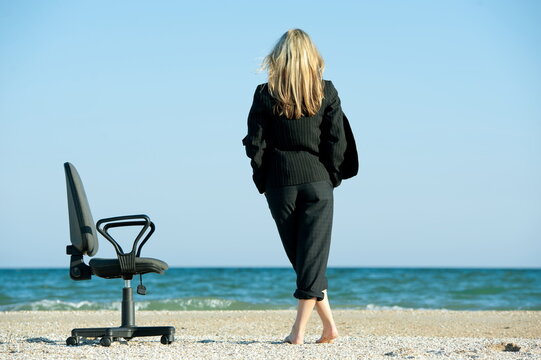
[(296, 144)]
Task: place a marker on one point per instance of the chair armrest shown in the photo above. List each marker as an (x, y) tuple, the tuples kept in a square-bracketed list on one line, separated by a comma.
[(120, 221), (127, 260)]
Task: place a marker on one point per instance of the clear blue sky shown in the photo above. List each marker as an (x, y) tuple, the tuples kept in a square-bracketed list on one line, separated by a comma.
[(149, 100)]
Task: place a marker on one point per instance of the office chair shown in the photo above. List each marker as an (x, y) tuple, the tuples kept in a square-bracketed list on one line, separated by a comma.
[(84, 241)]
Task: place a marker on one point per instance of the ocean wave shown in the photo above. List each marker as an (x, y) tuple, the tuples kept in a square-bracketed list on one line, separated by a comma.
[(382, 307), (164, 304), (177, 304), (47, 305), (188, 304)]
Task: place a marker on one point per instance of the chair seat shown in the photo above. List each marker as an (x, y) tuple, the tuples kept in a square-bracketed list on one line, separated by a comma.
[(110, 268)]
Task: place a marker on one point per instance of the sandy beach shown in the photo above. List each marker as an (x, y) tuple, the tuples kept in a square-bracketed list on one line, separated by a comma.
[(365, 334)]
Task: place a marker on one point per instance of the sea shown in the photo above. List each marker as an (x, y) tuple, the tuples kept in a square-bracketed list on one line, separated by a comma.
[(272, 288)]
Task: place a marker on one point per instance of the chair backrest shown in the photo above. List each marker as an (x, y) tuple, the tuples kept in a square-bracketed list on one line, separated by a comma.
[(82, 229)]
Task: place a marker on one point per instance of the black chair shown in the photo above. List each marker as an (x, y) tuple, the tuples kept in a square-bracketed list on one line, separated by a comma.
[(84, 241)]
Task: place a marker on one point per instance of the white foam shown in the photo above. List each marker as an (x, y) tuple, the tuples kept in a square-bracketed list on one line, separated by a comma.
[(47, 304), (186, 304), (380, 307)]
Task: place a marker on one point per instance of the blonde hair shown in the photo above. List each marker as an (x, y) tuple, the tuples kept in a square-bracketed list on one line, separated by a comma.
[(295, 70)]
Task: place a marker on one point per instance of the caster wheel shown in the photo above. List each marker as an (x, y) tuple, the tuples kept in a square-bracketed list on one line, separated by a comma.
[(105, 341), (167, 339), (72, 340)]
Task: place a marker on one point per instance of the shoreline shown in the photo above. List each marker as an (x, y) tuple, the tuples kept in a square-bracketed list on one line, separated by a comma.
[(257, 334)]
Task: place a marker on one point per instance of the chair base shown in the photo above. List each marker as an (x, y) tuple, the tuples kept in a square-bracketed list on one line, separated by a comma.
[(108, 335), (127, 329)]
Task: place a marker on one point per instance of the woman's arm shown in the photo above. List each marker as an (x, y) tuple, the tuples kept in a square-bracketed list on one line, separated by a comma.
[(333, 140), (254, 141)]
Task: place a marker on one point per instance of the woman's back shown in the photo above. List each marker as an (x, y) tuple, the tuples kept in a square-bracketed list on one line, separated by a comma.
[(296, 149)]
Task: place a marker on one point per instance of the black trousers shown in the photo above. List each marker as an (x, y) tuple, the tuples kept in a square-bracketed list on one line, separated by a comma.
[(303, 214)]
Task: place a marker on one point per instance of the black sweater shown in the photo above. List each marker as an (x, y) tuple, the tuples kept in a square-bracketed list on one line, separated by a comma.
[(295, 151)]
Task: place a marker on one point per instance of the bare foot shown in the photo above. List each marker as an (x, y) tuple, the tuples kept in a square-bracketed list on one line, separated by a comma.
[(328, 337), (294, 337), (290, 339), (286, 340)]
